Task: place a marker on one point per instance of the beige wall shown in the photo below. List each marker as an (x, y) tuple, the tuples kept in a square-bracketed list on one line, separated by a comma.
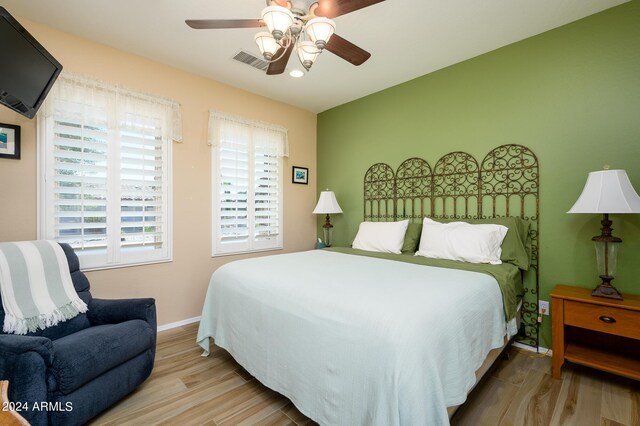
[(179, 287)]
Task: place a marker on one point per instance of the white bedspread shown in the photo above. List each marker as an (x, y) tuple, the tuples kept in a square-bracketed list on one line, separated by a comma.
[(354, 340)]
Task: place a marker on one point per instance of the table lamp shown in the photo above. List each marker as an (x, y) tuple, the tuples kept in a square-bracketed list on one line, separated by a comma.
[(607, 191), (327, 204)]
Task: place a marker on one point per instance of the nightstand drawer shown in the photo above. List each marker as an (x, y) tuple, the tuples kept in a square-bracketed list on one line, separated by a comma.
[(621, 322)]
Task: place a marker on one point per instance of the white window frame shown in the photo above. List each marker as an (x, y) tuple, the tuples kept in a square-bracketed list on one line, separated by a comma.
[(251, 246), (114, 256)]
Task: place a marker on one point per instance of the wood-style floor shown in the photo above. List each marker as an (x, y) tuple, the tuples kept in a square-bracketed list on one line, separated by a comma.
[(187, 389)]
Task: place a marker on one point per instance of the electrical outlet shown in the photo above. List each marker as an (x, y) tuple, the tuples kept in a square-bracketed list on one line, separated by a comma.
[(543, 305)]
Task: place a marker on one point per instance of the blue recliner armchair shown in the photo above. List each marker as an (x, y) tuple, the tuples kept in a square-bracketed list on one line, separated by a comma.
[(67, 374)]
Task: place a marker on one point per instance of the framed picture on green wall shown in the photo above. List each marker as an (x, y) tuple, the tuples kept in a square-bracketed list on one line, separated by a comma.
[(9, 141)]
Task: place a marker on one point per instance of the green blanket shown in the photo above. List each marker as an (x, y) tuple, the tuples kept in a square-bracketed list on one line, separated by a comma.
[(508, 276)]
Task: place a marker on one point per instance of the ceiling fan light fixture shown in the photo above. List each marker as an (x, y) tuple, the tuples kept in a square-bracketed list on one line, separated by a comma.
[(307, 53), (320, 31), (278, 19), (267, 44)]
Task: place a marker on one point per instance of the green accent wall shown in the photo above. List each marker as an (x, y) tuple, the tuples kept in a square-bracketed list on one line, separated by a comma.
[(572, 95)]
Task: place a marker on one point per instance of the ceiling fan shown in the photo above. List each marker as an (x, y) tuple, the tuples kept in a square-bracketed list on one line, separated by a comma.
[(303, 25)]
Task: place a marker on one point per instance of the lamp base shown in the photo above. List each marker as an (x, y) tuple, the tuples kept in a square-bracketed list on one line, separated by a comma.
[(327, 228), (328, 236), (605, 289)]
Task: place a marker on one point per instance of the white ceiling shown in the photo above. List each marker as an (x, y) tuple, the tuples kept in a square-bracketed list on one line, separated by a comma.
[(407, 38)]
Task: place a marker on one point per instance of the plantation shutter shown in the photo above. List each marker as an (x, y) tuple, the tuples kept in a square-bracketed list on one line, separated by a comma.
[(267, 187), (79, 182), (142, 182), (234, 192), (106, 181), (247, 184)]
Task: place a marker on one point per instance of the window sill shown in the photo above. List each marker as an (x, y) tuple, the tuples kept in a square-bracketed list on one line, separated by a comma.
[(120, 265), (239, 253)]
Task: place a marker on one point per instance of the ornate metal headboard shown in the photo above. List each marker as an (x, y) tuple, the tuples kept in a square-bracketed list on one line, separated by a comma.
[(505, 183)]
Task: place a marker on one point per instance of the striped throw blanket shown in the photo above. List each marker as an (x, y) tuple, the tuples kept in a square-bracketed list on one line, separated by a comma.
[(36, 287)]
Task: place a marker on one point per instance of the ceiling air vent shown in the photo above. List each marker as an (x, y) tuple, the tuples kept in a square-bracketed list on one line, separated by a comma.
[(253, 61)]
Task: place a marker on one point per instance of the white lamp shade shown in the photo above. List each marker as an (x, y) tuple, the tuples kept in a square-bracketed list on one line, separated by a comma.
[(607, 191), (307, 53), (320, 31), (327, 204), (267, 44), (278, 19)]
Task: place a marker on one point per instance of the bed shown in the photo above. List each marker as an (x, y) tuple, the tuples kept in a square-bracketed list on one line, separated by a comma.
[(355, 337)]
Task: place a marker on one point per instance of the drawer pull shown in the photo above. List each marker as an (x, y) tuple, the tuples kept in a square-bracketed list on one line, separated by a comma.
[(608, 320)]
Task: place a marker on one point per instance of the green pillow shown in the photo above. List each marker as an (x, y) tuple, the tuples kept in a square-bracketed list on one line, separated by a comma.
[(412, 238), (514, 245)]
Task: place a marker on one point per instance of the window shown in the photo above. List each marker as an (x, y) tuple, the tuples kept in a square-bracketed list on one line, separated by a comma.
[(105, 172), (247, 184)]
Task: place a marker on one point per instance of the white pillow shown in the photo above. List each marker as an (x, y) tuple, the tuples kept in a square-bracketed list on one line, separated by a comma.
[(386, 237), (462, 241)]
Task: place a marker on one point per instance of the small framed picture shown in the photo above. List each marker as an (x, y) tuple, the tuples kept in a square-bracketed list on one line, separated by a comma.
[(9, 141), (300, 175)]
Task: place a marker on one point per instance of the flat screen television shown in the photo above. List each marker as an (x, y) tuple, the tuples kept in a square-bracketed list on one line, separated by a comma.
[(28, 71)]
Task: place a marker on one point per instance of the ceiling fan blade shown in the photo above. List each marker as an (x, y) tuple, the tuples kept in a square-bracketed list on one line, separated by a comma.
[(334, 8), (203, 24), (347, 50), (279, 66)]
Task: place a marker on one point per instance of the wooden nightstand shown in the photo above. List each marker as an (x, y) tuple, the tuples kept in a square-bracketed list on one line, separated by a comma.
[(596, 332)]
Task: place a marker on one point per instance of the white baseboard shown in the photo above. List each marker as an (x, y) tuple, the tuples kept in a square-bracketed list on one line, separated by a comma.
[(178, 323), (540, 350)]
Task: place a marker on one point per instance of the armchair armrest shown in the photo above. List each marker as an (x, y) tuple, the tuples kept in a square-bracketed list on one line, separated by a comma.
[(24, 361), (12, 345), (102, 311)]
